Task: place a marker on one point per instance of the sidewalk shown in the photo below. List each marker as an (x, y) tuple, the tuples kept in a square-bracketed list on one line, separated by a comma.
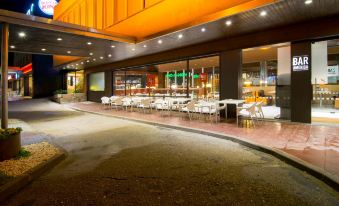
[(314, 144)]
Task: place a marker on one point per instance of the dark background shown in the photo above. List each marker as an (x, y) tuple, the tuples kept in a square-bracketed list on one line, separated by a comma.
[(22, 6)]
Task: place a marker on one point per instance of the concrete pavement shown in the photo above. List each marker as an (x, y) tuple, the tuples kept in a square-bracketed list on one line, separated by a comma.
[(119, 162)]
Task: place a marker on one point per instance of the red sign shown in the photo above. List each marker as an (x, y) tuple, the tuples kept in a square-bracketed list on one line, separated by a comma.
[(203, 77), (151, 80)]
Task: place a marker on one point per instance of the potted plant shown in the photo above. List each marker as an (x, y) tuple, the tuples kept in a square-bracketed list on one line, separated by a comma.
[(10, 143)]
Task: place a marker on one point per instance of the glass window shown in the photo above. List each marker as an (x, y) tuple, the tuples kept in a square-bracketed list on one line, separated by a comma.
[(119, 83), (262, 68), (75, 82), (325, 81), (204, 78), (97, 81)]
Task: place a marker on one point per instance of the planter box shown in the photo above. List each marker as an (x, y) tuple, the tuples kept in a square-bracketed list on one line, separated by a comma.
[(69, 98), (10, 147)]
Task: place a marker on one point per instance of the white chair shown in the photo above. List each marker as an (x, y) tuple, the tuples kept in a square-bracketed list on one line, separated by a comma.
[(215, 111), (126, 102), (247, 113), (259, 111), (105, 101), (117, 103), (145, 104), (190, 109)]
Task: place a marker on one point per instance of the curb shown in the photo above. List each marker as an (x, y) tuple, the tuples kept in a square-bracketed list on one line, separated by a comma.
[(315, 171), (18, 183)]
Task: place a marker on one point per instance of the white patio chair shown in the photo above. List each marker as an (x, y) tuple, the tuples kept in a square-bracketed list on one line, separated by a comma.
[(105, 101), (247, 113), (117, 103), (145, 104), (259, 111), (190, 109)]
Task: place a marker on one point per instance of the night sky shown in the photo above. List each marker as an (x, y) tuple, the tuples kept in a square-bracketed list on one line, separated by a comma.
[(22, 6)]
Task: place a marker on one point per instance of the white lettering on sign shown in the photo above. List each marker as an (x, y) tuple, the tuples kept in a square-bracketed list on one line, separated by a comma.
[(47, 6), (300, 63)]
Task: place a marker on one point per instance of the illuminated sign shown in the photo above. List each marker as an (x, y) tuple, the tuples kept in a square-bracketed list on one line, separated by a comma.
[(300, 63), (333, 71), (171, 75), (47, 6), (30, 10)]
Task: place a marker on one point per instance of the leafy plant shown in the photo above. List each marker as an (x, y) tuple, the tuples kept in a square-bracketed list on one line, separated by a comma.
[(60, 91), (24, 153), (6, 133)]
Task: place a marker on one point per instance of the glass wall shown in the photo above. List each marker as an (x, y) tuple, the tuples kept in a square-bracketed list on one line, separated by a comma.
[(75, 82), (97, 82), (266, 79), (325, 81), (197, 78)]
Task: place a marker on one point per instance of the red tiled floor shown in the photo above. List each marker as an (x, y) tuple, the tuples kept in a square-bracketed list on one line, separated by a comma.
[(315, 144)]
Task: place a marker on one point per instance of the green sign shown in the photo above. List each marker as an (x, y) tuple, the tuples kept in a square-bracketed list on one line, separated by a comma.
[(171, 75)]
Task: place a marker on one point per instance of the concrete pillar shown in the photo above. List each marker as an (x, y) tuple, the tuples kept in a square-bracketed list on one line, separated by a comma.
[(4, 75)]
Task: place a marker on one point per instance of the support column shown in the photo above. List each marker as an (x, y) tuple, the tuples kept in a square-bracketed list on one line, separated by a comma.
[(230, 78), (301, 87), (4, 75)]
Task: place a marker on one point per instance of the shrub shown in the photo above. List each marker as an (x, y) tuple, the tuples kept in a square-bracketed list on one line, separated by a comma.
[(60, 91), (6, 133), (24, 153)]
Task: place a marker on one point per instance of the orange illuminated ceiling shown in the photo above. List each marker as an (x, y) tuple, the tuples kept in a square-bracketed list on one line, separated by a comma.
[(144, 19)]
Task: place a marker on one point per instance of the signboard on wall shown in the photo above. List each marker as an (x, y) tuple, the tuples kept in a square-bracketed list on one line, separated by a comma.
[(300, 63), (47, 6), (332, 71)]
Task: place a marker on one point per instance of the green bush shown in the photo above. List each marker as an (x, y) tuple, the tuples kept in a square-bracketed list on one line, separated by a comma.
[(6, 133), (23, 153), (60, 91)]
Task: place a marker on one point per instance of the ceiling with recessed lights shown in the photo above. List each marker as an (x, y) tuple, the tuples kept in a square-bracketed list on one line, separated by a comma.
[(95, 51)]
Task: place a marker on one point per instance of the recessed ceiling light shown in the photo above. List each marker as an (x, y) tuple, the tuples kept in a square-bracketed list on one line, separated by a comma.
[(94, 59), (159, 41), (113, 46), (228, 22), (43, 49), (203, 29), (82, 63), (308, 2), (180, 36), (22, 34), (110, 55), (263, 13), (91, 54), (87, 61), (12, 47), (59, 39), (89, 43), (145, 46), (101, 57), (76, 64), (133, 49), (68, 52)]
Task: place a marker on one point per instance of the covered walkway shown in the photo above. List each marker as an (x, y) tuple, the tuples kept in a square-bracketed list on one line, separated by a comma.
[(317, 145)]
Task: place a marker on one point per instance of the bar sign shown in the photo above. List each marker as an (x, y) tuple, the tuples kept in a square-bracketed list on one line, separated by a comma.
[(300, 63)]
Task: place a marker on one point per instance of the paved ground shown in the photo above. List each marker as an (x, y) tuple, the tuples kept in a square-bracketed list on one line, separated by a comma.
[(117, 162)]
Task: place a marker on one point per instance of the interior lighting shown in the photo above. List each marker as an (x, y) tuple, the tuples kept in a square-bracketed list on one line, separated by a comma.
[(145, 46), (110, 55), (159, 41), (68, 52), (308, 2), (43, 49), (89, 43), (263, 13), (180, 36), (59, 39), (203, 29), (12, 47), (22, 34), (228, 22)]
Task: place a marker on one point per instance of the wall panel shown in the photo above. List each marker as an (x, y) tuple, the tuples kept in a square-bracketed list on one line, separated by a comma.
[(149, 3), (109, 12), (134, 6), (120, 10), (99, 14), (83, 15)]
